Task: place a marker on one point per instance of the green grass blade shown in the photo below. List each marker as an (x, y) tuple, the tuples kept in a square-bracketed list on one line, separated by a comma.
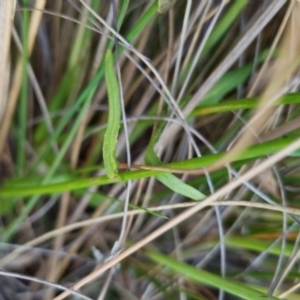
[(9, 232), (88, 91), (206, 278), (76, 67), (122, 13), (22, 108), (114, 117), (226, 84), (142, 23), (224, 24), (253, 152), (242, 104), (180, 187), (169, 180), (229, 82), (256, 245)]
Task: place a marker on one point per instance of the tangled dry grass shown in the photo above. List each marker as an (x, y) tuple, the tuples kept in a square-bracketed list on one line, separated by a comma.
[(204, 204)]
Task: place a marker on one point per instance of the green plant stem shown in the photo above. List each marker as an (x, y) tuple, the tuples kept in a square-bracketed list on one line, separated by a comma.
[(253, 152)]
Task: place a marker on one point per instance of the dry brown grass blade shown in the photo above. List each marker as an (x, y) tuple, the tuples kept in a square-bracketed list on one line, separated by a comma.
[(17, 76), (7, 10), (263, 71), (223, 67), (284, 68), (285, 65), (102, 219)]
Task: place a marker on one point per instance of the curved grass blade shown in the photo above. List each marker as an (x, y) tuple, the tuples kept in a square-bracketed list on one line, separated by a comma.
[(253, 152), (168, 179), (114, 117)]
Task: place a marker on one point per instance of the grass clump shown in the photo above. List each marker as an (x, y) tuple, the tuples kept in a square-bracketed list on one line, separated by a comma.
[(149, 153)]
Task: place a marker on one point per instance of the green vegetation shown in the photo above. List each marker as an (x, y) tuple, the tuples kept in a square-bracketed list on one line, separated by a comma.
[(120, 150)]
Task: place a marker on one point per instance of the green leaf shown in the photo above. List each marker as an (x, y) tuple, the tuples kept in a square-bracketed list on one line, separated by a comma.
[(168, 179), (180, 187), (226, 84), (122, 13), (229, 82), (224, 24), (114, 116)]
